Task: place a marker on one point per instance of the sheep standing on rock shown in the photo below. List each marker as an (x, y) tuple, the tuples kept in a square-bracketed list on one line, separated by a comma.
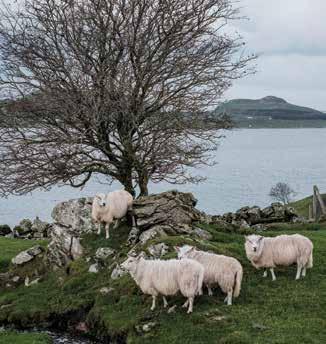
[(222, 270), (283, 250), (167, 277), (110, 207)]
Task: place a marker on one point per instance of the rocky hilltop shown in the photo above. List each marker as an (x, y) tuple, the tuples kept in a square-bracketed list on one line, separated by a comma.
[(270, 107)]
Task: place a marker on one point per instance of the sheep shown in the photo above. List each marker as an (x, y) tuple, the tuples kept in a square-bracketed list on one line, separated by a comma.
[(110, 207), (225, 271), (167, 277), (283, 250)]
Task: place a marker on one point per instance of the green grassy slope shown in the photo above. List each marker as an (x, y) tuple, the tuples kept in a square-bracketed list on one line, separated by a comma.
[(302, 205), (9, 248), (23, 338), (284, 311)]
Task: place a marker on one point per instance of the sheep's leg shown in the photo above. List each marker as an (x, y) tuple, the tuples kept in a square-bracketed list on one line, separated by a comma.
[(185, 304), (210, 292), (299, 268), (165, 302), (99, 227), (304, 270), (107, 230), (273, 274), (229, 298), (265, 273), (116, 224), (191, 303), (153, 302)]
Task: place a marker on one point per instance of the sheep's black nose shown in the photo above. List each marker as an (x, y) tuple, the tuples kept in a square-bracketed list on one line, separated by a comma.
[(255, 249)]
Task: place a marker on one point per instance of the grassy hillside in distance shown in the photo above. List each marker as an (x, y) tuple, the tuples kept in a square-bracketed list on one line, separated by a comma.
[(284, 311), (302, 205), (271, 112)]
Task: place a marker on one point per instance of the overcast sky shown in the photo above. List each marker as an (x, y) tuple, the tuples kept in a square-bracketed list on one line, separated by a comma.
[(290, 36)]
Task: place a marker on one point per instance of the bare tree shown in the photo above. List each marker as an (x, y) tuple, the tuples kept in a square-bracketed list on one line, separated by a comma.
[(120, 88), (282, 192)]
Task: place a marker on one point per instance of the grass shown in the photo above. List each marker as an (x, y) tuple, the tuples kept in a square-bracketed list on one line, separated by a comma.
[(11, 337), (302, 206), (284, 311), (9, 248)]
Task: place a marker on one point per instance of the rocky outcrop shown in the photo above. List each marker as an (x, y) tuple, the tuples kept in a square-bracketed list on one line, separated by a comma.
[(156, 215), (166, 213), (251, 217)]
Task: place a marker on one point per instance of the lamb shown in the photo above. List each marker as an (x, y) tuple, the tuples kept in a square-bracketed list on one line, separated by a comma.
[(166, 277), (110, 207), (225, 271), (283, 250)]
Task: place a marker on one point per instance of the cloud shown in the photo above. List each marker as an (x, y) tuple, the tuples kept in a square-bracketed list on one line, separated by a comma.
[(290, 37)]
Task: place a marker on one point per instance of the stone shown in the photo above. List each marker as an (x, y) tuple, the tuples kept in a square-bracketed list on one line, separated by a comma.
[(28, 283), (40, 228), (151, 234), (26, 256), (133, 236), (259, 227), (24, 227), (203, 234), (94, 268), (145, 327), (117, 272), (103, 253), (16, 279), (64, 246), (75, 214), (169, 208), (172, 309), (106, 291), (158, 250), (244, 224)]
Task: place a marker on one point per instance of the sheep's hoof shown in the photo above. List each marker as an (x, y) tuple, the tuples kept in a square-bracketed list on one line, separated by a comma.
[(189, 311)]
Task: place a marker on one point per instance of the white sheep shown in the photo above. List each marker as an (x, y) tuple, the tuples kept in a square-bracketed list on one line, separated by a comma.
[(220, 270), (283, 250), (166, 277), (110, 207)]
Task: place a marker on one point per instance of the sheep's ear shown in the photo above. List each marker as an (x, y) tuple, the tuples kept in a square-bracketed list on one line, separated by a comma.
[(177, 248), (260, 238)]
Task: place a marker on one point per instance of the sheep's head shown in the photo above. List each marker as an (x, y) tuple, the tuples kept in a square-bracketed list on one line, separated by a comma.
[(101, 199), (253, 243), (130, 264), (183, 251)]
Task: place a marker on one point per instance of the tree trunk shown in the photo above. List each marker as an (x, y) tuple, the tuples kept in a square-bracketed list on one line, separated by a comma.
[(126, 181), (143, 185)]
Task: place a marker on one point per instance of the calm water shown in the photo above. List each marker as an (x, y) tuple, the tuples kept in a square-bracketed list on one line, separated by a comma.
[(250, 161)]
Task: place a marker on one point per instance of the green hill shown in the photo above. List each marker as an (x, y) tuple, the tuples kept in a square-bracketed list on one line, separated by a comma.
[(281, 311), (271, 111)]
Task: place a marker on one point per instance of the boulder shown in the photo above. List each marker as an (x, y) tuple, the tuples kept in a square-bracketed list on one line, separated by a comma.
[(40, 229), (94, 268), (103, 253), (28, 255), (75, 215), (118, 272), (158, 250), (24, 227), (64, 245), (168, 208), (201, 233)]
